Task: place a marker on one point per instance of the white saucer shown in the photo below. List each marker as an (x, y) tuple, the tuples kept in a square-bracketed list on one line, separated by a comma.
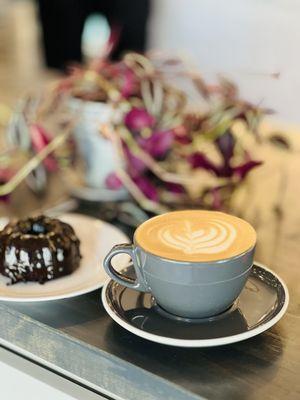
[(97, 194), (79, 189), (97, 238), (261, 304)]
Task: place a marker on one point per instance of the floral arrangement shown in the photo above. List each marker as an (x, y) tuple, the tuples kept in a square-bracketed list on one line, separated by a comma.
[(172, 157), (173, 151)]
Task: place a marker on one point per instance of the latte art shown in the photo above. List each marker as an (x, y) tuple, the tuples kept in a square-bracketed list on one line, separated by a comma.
[(195, 235), (213, 239)]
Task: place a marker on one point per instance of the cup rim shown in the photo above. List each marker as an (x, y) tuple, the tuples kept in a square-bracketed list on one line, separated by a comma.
[(201, 263)]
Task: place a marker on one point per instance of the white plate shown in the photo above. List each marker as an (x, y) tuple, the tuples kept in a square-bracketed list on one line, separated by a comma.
[(97, 238)]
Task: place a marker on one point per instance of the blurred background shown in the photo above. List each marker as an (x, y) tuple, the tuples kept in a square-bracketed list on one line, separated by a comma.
[(256, 42)]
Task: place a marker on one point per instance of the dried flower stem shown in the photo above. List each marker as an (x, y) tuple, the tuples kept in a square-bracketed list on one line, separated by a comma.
[(125, 178), (141, 65), (154, 166), (10, 186)]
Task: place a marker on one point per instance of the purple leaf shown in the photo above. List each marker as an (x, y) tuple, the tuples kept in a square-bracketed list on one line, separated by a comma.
[(174, 188), (5, 198), (225, 145), (113, 182), (135, 165), (158, 143), (199, 160), (128, 83), (146, 187), (137, 119), (242, 170), (181, 134), (216, 198), (40, 138), (183, 140)]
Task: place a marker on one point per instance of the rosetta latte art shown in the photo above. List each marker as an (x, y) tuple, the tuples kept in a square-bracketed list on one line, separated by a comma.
[(195, 236), (216, 236)]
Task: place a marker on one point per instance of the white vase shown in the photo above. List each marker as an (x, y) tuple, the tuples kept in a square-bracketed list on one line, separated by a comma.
[(98, 152)]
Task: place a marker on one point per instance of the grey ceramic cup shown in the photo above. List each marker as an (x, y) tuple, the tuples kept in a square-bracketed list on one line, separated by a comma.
[(186, 289)]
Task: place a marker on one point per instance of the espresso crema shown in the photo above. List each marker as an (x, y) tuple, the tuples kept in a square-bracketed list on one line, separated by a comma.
[(196, 235)]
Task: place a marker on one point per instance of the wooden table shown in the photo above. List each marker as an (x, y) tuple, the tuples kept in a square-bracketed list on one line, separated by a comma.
[(76, 337)]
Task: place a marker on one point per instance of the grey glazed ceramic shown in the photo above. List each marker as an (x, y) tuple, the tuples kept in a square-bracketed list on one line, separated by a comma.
[(261, 304), (186, 289)]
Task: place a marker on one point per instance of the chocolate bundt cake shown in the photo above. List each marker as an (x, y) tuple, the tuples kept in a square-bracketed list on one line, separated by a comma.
[(38, 249)]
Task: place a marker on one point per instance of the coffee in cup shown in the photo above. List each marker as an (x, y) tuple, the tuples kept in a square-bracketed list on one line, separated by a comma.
[(194, 262), (196, 236)]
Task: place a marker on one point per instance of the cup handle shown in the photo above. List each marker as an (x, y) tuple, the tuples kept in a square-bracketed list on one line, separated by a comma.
[(138, 283)]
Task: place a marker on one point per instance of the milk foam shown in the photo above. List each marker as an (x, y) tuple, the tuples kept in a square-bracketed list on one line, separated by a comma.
[(196, 235), (217, 236)]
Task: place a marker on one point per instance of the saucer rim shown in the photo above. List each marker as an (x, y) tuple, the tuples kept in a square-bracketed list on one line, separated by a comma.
[(200, 342)]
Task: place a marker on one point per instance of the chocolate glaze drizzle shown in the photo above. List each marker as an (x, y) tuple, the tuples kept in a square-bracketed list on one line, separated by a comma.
[(38, 249)]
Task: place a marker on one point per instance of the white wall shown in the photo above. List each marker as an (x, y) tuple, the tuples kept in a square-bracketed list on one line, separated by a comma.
[(247, 40)]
